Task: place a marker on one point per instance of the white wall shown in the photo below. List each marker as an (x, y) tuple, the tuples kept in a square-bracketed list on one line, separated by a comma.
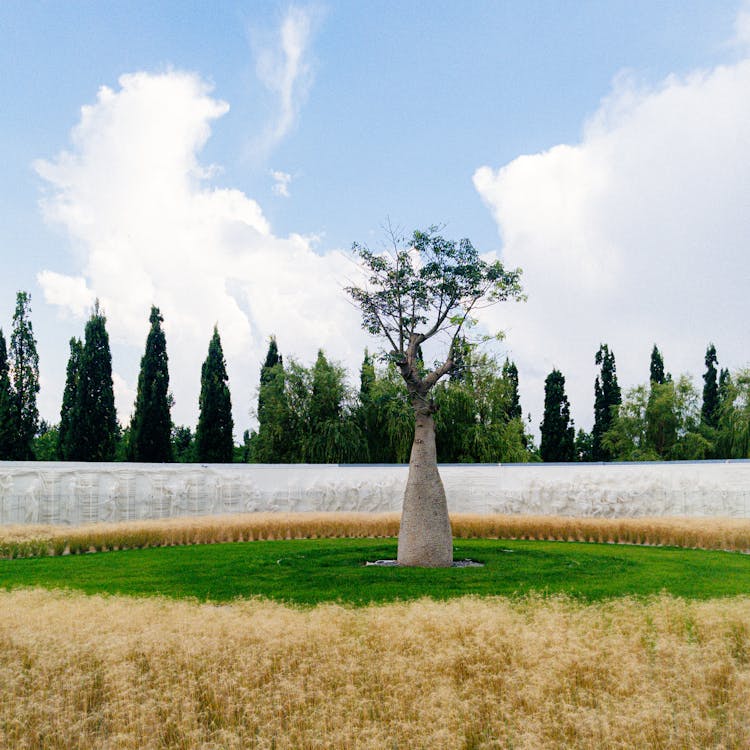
[(70, 493)]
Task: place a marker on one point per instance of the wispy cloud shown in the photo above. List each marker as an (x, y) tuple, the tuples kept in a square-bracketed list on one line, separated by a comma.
[(283, 65), (281, 182)]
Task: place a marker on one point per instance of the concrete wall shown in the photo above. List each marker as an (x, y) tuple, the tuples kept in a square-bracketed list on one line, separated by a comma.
[(70, 493)]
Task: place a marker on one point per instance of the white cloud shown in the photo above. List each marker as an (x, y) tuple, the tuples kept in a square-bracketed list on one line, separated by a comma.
[(151, 228), (281, 182), (284, 68), (69, 293), (636, 235)]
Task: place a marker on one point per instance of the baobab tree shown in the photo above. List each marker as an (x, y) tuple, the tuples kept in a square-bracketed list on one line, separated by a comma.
[(428, 288)]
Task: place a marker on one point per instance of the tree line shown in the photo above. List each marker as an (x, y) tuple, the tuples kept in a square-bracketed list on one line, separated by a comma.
[(88, 429), (665, 419), (310, 414)]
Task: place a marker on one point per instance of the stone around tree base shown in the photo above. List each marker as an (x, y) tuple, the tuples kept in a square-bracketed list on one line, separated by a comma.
[(454, 564)]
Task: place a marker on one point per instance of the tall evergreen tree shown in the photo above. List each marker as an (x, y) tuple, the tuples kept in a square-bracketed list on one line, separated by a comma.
[(271, 444), (65, 432), (725, 386), (710, 409), (93, 428), (656, 373), (366, 377), (510, 375), (367, 408), (24, 364), (607, 398), (213, 437), (151, 426), (7, 420), (558, 432), (273, 358)]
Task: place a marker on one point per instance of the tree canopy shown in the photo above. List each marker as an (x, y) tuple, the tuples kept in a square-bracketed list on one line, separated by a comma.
[(426, 288)]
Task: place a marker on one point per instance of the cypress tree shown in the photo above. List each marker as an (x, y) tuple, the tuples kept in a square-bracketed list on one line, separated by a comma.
[(213, 437), (272, 442), (93, 429), (656, 374), (558, 433), (65, 433), (24, 364), (710, 409), (7, 422), (607, 398), (273, 358), (725, 386), (367, 408), (151, 426), (510, 376), (366, 378)]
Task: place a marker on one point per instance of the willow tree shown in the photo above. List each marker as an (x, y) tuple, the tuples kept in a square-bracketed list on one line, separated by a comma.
[(426, 289)]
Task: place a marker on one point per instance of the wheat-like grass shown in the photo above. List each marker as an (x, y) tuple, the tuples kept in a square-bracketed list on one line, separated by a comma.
[(705, 533), (111, 672)]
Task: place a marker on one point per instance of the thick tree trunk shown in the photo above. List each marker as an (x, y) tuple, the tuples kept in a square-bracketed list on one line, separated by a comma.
[(424, 538)]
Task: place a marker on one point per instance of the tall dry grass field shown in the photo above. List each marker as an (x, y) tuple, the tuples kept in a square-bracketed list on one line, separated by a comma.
[(108, 672), (706, 533)]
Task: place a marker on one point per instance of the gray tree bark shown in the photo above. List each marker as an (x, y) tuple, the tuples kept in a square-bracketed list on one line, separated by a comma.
[(425, 538)]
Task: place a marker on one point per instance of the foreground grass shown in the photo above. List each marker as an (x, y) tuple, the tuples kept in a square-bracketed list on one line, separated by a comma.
[(312, 571), (115, 672), (36, 540)]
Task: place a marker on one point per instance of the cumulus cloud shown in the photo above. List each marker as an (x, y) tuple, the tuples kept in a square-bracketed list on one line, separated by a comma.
[(152, 229), (634, 236), (283, 67), (281, 182)]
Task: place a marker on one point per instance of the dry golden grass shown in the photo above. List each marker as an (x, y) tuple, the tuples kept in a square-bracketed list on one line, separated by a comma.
[(706, 533), (109, 672)]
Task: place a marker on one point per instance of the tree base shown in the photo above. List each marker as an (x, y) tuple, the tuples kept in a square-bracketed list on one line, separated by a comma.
[(454, 564)]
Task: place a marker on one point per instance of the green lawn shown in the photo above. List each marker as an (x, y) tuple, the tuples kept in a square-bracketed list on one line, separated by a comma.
[(312, 571)]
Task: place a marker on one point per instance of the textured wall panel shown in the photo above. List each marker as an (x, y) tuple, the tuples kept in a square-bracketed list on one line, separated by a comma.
[(70, 493)]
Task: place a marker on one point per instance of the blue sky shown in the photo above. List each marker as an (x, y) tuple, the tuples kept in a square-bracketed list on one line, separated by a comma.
[(372, 110)]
